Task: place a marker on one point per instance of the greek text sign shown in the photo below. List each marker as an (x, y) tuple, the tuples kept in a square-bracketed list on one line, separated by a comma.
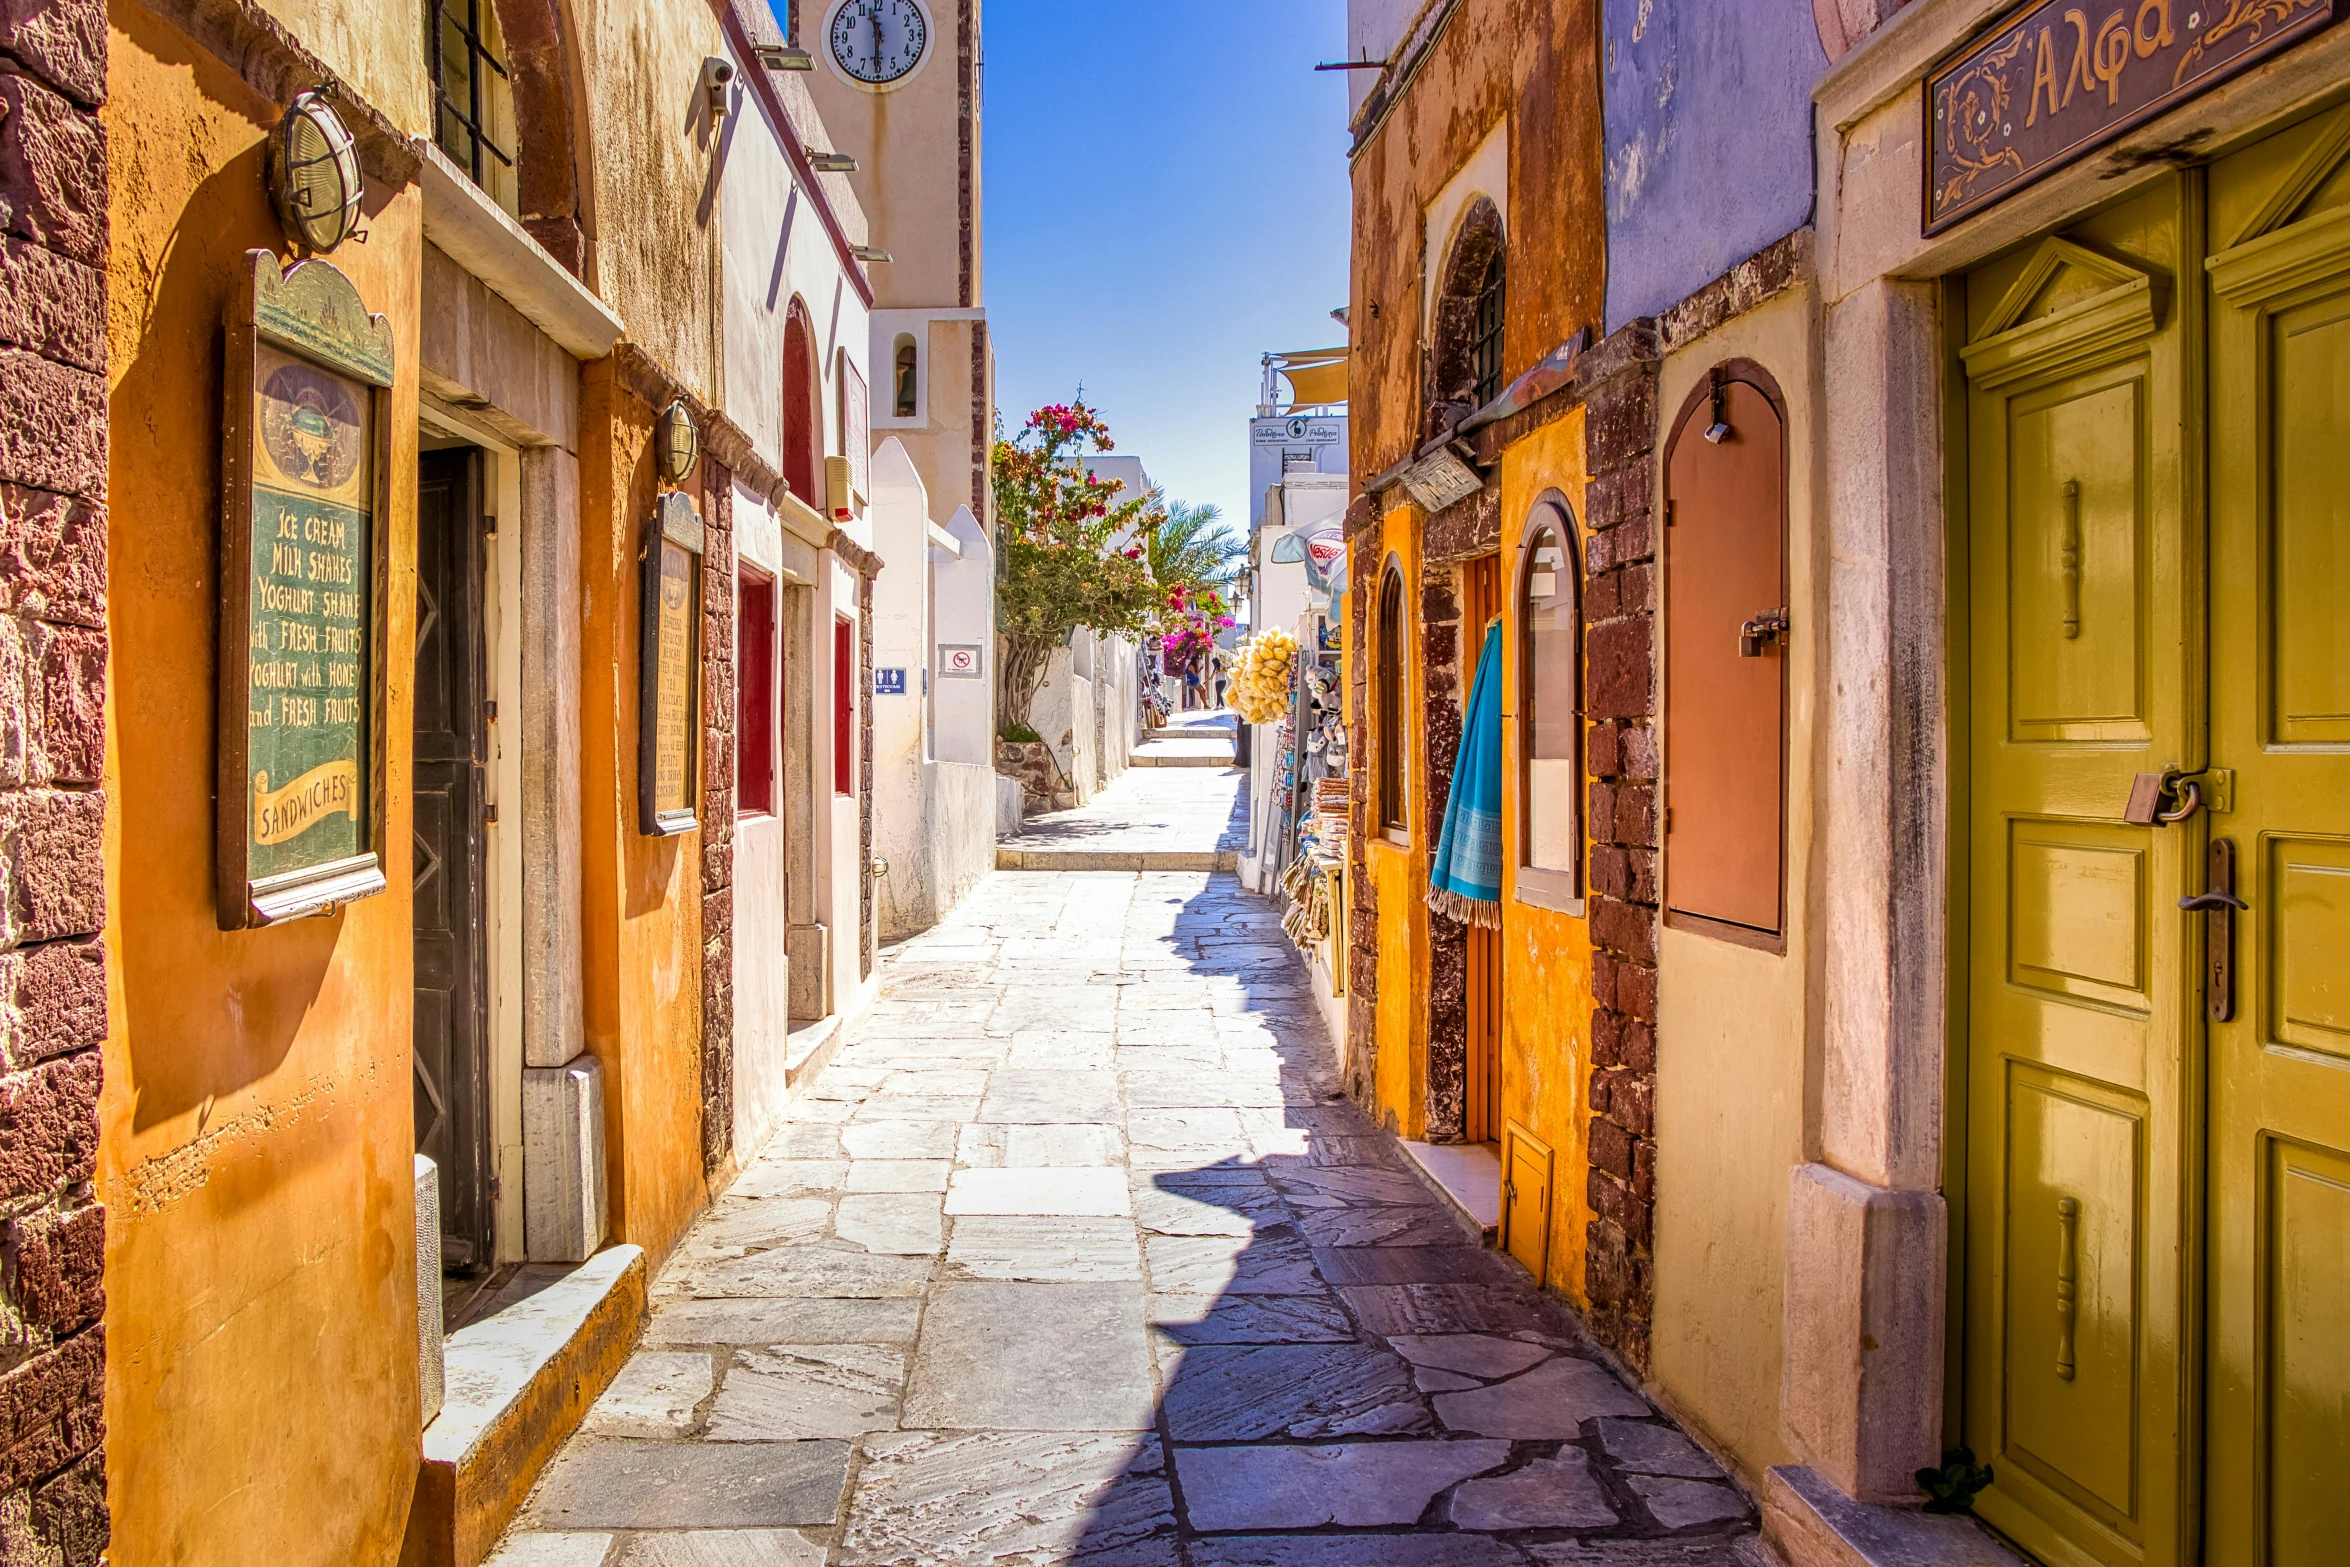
[(303, 469), (889, 682), (2063, 77)]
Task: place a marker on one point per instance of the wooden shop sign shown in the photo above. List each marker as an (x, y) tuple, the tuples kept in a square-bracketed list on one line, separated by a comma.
[(2062, 78), (669, 709), (301, 761)]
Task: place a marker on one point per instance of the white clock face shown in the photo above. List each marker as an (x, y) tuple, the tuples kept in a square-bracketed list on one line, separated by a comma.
[(879, 41)]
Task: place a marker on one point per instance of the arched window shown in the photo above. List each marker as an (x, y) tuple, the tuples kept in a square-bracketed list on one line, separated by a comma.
[(1391, 720), (1467, 336), (1485, 343), (1550, 707), (907, 397), (803, 404)]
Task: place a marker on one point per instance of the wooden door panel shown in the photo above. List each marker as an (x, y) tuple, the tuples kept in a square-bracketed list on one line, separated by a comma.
[(2278, 1444), (2077, 923), (2305, 1276), (2309, 637), (2307, 946), (2072, 1285), (2076, 1249), (448, 913), (2076, 568)]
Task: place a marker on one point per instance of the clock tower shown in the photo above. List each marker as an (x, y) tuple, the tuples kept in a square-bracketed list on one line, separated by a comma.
[(897, 85)]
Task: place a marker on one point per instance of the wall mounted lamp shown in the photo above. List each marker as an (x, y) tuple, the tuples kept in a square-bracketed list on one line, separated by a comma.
[(785, 57), (314, 175), (677, 442), (831, 162), (869, 253)]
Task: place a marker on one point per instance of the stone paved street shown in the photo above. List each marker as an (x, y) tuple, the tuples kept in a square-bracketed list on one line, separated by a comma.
[(1075, 1253)]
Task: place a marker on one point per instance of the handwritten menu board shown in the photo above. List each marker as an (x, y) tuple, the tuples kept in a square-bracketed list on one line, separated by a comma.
[(669, 718), (300, 754)]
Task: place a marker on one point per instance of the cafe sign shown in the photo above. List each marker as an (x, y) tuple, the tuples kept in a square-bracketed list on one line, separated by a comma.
[(669, 709), (2061, 78), (300, 802)]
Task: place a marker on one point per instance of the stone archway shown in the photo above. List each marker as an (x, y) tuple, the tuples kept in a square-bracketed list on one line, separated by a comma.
[(552, 199), (1452, 325)]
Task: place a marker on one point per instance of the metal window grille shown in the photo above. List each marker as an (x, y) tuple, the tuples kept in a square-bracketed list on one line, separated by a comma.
[(1485, 346), (462, 67)]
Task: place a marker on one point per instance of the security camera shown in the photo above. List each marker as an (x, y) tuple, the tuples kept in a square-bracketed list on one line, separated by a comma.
[(716, 76)]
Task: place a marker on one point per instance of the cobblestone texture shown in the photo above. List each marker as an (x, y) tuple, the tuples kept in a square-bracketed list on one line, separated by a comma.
[(1077, 1253)]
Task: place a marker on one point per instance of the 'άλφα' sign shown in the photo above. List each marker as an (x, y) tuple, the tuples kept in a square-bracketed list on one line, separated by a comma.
[(2064, 77)]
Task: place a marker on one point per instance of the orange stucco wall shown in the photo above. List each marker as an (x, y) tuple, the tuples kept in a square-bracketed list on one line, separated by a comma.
[(256, 1140), (641, 947), (1546, 954)]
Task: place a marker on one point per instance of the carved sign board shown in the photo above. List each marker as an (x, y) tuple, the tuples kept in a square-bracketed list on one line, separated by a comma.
[(669, 708), (2061, 78), (304, 464)]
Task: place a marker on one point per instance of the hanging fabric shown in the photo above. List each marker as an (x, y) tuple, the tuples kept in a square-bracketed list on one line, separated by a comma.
[(1464, 879)]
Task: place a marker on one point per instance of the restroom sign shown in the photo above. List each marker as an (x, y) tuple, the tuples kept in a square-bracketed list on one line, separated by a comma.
[(889, 682), (958, 661)]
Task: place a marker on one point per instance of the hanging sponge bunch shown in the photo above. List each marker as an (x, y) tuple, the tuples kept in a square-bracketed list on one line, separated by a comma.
[(1259, 692)]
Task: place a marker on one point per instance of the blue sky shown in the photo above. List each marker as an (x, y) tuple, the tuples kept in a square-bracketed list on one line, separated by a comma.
[(1166, 198)]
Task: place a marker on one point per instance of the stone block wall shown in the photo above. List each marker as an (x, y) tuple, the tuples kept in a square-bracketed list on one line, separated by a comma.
[(53, 668), (718, 715), (1619, 378)]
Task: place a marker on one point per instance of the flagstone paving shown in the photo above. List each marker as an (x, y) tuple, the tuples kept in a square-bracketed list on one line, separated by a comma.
[(1148, 819), (1075, 1253)]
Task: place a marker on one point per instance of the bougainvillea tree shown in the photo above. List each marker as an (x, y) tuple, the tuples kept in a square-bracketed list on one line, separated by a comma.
[(1069, 547)]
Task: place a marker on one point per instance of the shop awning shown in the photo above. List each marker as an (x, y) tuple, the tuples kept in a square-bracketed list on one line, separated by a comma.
[(1315, 375)]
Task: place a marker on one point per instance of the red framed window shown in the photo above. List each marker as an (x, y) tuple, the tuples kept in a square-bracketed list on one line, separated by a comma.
[(755, 684), (844, 707)]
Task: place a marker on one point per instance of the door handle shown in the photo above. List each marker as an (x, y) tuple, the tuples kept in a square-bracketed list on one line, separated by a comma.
[(2219, 906)]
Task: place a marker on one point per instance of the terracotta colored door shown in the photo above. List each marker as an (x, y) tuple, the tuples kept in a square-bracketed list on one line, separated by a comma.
[(451, 1075), (1726, 685), (2084, 584), (2278, 1443)]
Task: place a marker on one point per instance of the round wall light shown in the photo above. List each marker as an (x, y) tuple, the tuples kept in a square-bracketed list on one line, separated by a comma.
[(314, 175), (677, 442)]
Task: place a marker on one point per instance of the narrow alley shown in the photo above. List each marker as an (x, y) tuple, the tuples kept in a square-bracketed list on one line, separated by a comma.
[(1075, 1252)]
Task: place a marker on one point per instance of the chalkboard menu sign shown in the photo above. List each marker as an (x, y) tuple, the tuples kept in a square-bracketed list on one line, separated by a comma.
[(669, 709), (301, 624)]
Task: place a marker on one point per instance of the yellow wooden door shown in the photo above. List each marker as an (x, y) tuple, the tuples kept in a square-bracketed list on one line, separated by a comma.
[(2278, 1471), (2082, 585)]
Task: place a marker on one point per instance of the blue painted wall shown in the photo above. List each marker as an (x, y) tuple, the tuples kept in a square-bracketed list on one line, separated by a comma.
[(1707, 106)]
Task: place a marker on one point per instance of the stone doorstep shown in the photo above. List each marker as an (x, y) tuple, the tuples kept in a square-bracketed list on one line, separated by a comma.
[(1467, 1176), (1116, 860), (520, 1379), (1813, 1524), (1157, 759)]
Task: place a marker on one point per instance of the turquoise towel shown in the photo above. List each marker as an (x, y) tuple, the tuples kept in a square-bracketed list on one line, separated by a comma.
[(1464, 880)]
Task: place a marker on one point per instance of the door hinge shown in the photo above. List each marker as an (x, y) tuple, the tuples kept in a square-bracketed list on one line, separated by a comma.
[(489, 710), (489, 527), (489, 814)]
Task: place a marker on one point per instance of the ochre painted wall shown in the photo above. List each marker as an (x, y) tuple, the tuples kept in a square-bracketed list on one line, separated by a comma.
[(1533, 62), (256, 1128), (1399, 871), (641, 948), (1546, 953), (1732, 1021)]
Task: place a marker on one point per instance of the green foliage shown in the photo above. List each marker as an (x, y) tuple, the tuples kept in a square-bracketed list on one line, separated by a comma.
[(1017, 734), (1952, 1488), (1070, 552), (1192, 548)]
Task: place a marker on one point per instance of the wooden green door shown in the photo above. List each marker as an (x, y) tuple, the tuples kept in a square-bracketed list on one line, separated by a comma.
[(2081, 587), (2278, 1473)]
